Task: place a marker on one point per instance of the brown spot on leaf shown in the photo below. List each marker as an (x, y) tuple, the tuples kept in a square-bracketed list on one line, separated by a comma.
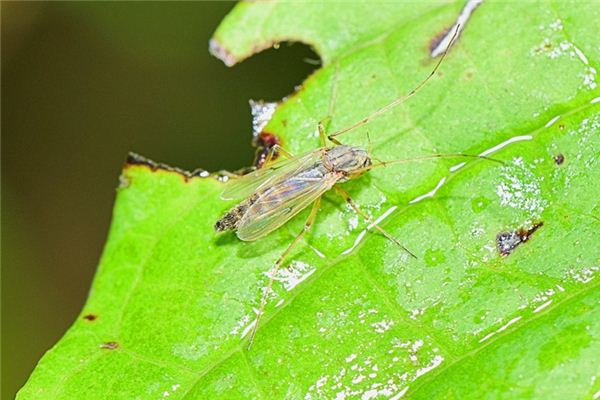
[(109, 345), (90, 317), (506, 242), (437, 39), (561, 127), (559, 159)]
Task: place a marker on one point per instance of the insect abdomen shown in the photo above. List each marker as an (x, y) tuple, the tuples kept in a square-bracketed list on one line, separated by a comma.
[(231, 220)]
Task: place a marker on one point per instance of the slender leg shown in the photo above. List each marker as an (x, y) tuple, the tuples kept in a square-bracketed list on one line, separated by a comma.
[(323, 137), (273, 271), (276, 149), (279, 149), (352, 204)]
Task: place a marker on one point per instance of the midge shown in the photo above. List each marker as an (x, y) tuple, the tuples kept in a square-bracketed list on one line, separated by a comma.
[(281, 189)]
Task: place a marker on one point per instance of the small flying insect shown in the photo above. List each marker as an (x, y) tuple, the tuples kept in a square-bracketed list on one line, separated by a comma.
[(281, 189)]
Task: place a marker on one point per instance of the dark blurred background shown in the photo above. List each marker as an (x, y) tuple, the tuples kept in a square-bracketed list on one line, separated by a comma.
[(82, 85)]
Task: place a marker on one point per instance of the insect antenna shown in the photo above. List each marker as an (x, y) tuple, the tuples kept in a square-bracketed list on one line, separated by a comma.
[(401, 99), (425, 158), (370, 149)]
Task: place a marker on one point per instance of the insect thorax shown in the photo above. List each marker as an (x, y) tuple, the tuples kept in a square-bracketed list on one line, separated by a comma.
[(347, 159)]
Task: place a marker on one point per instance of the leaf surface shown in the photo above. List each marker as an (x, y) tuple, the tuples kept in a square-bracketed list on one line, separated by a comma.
[(353, 316)]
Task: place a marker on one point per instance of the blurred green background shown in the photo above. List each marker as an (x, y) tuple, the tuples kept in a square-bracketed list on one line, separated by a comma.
[(82, 85)]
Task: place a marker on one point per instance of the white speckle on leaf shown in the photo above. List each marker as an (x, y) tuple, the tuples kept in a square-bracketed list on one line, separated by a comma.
[(477, 231), (361, 379), (249, 327), (555, 46), (383, 326), (543, 296), (583, 275), (457, 166), (431, 193), (520, 189), (416, 312), (509, 323), (586, 129), (416, 345), (353, 222), (240, 324), (262, 112), (362, 234), (295, 274), (540, 308), (486, 337), (318, 252), (502, 328), (400, 394), (370, 394), (551, 122), (191, 351), (358, 239), (437, 360), (556, 25)]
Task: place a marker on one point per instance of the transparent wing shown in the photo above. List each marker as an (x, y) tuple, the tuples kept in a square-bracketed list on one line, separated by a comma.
[(242, 187), (278, 205)]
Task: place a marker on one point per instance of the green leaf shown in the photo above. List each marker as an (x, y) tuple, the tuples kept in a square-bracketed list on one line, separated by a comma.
[(171, 299)]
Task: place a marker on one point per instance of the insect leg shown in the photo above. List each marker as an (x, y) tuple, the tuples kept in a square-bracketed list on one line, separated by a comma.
[(355, 207), (276, 149), (279, 149), (273, 271), (323, 137)]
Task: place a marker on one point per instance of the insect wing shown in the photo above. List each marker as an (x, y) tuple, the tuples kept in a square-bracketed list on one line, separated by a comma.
[(237, 188), (278, 205)]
